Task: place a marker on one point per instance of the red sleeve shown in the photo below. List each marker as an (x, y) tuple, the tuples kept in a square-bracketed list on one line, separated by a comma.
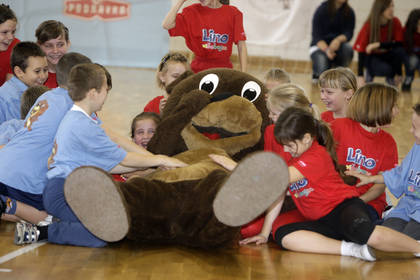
[(180, 28), (392, 155), (398, 30), (312, 163), (271, 145), (153, 105), (239, 33), (362, 39), (51, 82)]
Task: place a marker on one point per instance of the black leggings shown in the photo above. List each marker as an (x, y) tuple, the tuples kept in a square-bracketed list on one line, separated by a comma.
[(348, 221)]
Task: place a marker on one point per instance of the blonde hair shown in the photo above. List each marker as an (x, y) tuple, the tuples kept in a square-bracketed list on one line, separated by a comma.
[(372, 104), (175, 57), (291, 95), (339, 78), (277, 74)]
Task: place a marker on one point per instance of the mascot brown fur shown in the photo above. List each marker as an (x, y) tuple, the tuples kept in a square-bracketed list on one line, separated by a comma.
[(175, 206)]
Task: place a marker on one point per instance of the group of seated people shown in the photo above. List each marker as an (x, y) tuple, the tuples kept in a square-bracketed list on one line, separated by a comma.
[(59, 125)]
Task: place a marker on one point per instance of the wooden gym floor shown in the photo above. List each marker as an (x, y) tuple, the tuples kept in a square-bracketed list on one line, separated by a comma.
[(125, 260)]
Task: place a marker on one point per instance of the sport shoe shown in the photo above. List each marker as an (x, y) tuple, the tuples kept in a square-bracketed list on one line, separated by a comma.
[(25, 233), (254, 185)]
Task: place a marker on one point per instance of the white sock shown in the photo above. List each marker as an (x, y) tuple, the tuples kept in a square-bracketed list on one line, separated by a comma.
[(417, 255), (357, 251)]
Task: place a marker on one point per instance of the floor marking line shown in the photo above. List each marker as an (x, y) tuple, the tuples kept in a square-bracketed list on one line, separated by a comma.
[(5, 270), (20, 251)]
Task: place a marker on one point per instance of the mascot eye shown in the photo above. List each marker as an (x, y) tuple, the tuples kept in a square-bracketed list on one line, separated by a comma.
[(251, 91), (209, 83)]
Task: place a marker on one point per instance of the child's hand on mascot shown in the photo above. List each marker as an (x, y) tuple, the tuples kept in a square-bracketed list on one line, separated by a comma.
[(224, 161), (168, 162)]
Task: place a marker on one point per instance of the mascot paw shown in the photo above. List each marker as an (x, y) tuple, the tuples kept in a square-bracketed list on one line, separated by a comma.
[(252, 188), (96, 200)]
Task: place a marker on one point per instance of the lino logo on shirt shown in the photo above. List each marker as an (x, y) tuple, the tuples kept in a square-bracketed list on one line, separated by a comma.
[(414, 178), (297, 186), (213, 38), (357, 158)]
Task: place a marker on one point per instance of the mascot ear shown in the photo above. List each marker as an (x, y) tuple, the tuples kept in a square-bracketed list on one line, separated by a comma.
[(184, 75)]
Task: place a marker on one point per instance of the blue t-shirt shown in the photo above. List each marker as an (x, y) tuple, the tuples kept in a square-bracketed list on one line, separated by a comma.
[(8, 129), (80, 141), (10, 94), (405, 179), (23, 161)]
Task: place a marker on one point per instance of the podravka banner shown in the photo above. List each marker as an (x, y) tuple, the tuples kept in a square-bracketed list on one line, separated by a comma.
[(110, 32)]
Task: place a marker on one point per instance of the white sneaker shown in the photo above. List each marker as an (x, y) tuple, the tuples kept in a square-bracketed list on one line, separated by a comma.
[(358, 251)]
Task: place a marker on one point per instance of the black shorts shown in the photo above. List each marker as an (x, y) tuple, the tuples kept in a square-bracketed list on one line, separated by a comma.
[(350, 221)]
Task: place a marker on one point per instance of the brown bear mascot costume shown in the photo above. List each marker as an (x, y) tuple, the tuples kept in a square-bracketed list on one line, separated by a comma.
[(218, 111)]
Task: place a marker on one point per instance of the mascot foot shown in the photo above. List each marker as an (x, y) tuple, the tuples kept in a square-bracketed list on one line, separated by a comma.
[(96, 200), (252, 188)]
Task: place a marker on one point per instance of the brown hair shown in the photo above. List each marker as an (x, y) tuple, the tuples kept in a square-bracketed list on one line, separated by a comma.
[(416, 109), (51, 29), (277, 74), (372, 104), (21, 52), (411, 29), (29, 97), (294, 123), (340, 78), (374, 19), (332, 8), (290, 95), (144, 116), (6, 13), (65, 64), (84, 77), (175, 57), (107, 75)]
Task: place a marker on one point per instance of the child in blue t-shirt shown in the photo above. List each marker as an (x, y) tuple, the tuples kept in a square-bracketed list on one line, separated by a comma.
[(403, 180), (30, 68), (80, 141), (23, 161), (10, 127)]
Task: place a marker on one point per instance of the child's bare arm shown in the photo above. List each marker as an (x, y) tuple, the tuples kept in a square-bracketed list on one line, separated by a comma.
[(365, 179), (226, 162), (270, 216), (134, 160), (375, 191), (169, 20)]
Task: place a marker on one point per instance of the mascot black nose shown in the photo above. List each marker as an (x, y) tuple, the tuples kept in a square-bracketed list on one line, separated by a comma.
[(220, 96)]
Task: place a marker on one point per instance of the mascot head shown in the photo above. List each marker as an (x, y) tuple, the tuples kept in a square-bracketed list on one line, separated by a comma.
[(217, 108)]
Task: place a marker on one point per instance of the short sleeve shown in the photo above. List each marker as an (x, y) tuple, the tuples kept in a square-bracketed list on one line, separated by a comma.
[(239, 33), (180, 28)]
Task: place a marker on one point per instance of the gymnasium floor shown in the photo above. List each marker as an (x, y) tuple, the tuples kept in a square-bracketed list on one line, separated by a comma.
[(126, 260)]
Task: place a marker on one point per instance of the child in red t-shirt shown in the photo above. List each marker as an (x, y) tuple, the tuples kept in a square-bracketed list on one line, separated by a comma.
[(53, 38), (210, 28), (337, 86), (333, 209), (280, 98), (171, 66), (379, 44), (362, 145), (8, 22), (412, 47)]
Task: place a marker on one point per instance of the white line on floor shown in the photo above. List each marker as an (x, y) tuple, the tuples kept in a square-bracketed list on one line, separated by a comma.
[(19, 252), (5, 270)]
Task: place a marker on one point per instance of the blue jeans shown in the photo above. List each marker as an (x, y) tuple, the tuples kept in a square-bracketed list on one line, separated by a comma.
[(320, 61), (69, 230), (386, 64)]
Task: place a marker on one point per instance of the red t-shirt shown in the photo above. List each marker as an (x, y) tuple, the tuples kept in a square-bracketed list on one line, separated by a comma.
[(362, 39), (153, 105), (368, 152), (327, 116), (51, 81), (209, 34), (5, 67), (322, 189), (270, 144)]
